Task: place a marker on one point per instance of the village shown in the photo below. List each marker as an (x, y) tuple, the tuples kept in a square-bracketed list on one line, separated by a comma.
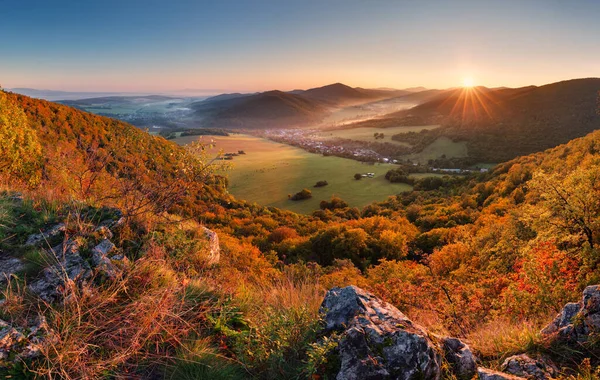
[(353, 149)]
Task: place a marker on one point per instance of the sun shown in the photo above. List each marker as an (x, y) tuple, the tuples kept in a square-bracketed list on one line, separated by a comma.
[(468, 82)]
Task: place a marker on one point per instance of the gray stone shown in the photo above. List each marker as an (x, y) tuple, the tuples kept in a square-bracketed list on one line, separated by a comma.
[(37, 239), (24, 342), (9, 338), (214, 250), (104, 232), (69, 270), (523, 365), (488, 374), (377, 341), (577, 321), (101, 261), (460, 357), (8, 267), (563, 318)]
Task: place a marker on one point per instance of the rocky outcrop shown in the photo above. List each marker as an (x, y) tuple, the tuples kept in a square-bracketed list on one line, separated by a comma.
[(460, 357), (8, 267), (488, 374), (22, 343), (38, 239), (214, 250), (377, 341), (524, 366), (577, 321), (73, 270), (70, 270)]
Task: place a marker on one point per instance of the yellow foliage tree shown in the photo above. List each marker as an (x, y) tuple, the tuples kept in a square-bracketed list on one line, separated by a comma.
[(20, 150)]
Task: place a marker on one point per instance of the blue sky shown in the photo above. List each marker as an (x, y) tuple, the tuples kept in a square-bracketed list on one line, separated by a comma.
[(150, 45)]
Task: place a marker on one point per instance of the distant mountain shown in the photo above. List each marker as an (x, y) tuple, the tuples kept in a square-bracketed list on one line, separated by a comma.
[(115, 99), (227, 97), (500, 124), (265, 110), (54, 95), (339, 94), (415, 89)]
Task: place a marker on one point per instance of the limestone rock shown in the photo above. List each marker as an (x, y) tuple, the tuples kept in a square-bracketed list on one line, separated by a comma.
[(37, 239), (377, 341), (524, 366), (488, 374), (23, 342), (8, 267), (101, 261), (577, 321), (460, 357), (69, 270), (214, 250)]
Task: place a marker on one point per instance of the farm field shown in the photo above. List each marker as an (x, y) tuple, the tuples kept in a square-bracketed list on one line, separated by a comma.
[(366, 134), (270, 171), (441, 146)]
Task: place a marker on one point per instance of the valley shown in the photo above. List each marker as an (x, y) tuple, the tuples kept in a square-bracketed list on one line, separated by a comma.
[(270, 171)]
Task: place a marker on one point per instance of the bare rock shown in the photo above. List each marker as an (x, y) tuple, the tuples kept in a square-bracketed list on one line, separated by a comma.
[(37, 239), (488, 374), (101, 261), (577, 321), (524, 366), (103, 232), (214, 250), (69, 270), (460, 357), (377, 341), (23, 342), (563, 318), (8, 267)]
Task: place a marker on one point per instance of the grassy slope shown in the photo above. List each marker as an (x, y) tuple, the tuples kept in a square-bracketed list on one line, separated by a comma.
[(270, 171)]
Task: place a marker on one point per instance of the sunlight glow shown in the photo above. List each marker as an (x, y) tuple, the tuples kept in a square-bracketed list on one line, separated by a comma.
[(468, 82)]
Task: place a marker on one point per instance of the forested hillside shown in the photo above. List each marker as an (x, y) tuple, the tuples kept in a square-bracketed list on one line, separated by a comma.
[(490, 258), (501, 124)]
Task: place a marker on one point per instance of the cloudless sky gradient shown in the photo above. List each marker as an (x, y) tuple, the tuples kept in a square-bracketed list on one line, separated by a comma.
[(245, 45)]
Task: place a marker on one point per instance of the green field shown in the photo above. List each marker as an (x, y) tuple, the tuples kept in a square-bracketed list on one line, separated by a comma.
[(441, 146), (366, 134), (270, 171)]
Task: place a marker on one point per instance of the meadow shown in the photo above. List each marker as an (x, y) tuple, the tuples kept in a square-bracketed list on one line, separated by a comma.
[(442, 146), (366, 133), (271, 171)]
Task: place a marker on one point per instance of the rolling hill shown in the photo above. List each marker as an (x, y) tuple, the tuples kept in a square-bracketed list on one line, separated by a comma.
[(500, 124), (339, 94), (277, 109), (264, 110)]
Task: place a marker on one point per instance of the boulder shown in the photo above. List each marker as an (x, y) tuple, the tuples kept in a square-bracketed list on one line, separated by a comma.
[(563, 318), (8, 267), (376, 340), (524, 366), (100, 259), (460, 357), (214, 250), (69, 270), (577, 321), (103, 232), (37, 239), (23, 342), (488, 374)]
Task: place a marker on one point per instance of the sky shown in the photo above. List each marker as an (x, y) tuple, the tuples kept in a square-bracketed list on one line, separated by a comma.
[(225, 45)]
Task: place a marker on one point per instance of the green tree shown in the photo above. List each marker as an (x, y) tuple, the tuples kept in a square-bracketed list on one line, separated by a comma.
[(20, 150)]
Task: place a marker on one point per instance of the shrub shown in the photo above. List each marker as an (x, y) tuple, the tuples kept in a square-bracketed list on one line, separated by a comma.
[(303, 194)]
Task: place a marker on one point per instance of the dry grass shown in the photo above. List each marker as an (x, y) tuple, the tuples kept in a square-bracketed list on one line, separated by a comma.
[(502, 338)]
